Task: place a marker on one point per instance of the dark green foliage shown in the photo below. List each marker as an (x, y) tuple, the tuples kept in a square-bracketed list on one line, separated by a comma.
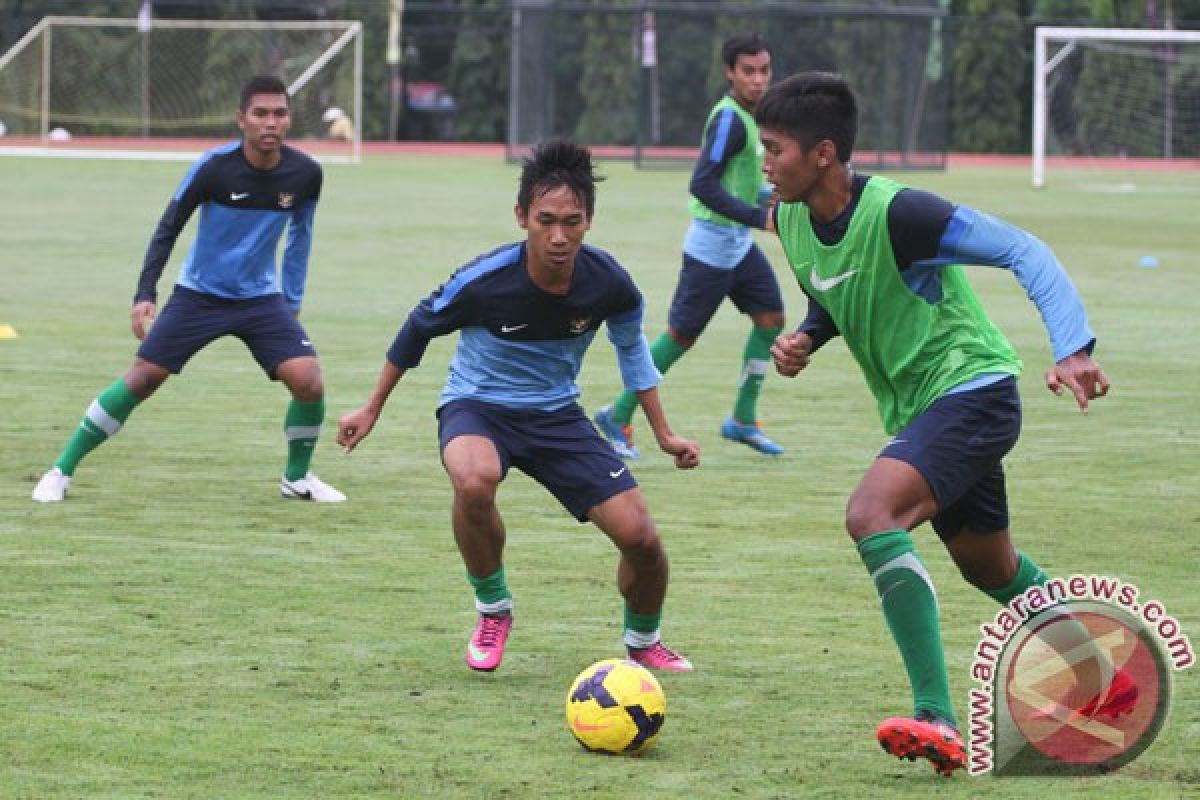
[(590, 81)]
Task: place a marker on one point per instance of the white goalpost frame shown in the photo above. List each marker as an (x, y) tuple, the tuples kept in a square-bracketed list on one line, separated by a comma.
[(1043, 67), (351, 31)]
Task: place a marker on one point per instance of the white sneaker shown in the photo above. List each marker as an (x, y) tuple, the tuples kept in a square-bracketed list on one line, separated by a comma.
[(310, 487), (52, 488)]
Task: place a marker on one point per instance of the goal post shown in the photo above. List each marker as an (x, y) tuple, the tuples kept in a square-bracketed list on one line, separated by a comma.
[(120, 88), (1115, 93)]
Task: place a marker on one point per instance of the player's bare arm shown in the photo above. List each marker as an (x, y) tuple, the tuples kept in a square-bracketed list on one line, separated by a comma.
[(1079, 373), (354, 427), (791, 353), (141, 316), (685, 451)]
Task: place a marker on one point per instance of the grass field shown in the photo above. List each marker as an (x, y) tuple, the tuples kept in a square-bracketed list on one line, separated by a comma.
[(175, 630)]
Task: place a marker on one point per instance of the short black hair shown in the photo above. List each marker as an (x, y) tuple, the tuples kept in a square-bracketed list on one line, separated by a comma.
[(262, 84), (746, 43), (810, 107), (558, 162)]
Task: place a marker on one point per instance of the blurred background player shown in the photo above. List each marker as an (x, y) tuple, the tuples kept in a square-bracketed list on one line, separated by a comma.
[(249, 192), (527, 313), (880, 265), (338, 125), (720, 258)]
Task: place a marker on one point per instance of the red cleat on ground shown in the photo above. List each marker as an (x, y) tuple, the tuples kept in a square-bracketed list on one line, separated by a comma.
[(924, 736)]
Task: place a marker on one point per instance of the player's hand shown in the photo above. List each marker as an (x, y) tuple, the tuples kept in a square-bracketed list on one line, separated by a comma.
[(791, 353), (141, 317), (1082, 375), (354, 427), (685, 451)]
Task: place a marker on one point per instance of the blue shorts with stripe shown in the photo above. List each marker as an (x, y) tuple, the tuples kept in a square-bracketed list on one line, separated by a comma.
[(191, 320), (751, 285), (957, 445), (559, 449)]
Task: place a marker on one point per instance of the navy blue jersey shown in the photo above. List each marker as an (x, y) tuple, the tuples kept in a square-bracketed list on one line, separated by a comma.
[(243, 214), (520, 346)]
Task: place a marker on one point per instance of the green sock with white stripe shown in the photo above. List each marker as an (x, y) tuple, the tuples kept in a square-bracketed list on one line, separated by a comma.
[(641, 630), (302, 426), (103, 419), (911, 609), (756, 357)]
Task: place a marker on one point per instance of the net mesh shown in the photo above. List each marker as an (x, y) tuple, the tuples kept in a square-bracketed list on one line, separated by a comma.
[(1125, 99), (651, 77), (111, 85)]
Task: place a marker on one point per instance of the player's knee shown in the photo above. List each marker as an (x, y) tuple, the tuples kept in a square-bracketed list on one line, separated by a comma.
[(640, 542), (309, 389), (474, 491), (143, 379), (865, 518)]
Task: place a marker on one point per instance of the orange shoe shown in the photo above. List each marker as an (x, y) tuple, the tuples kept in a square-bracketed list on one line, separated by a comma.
[(926, 735), (1120, 698)]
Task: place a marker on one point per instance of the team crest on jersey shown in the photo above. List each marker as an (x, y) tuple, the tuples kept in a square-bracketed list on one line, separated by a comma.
[(578, 325), (286, 199)]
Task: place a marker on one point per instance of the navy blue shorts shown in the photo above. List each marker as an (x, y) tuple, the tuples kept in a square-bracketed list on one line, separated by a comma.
[(560, 449), (190, 321), (751, 285), (957, 445)]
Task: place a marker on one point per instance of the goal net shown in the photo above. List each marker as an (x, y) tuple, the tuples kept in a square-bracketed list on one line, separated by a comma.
[(81, 86), (1108, 95)]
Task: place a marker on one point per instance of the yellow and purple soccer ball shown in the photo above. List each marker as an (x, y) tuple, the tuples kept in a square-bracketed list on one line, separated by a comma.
[(616, 706)]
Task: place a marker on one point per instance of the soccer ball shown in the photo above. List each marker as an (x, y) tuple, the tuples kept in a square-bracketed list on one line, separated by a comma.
[(616, 706)]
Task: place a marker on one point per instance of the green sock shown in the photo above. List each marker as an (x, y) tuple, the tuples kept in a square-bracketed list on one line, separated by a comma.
[(491, 593), (302, 426), (103, 419), (1028, 575), (910, 607), (641, 630), (665, 352), (642, 623), (756, 357), (1067, 633)]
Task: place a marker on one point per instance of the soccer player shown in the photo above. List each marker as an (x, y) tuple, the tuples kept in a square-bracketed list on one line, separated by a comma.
[(248, 193), (880, 265), (720, 258), (527, 313)]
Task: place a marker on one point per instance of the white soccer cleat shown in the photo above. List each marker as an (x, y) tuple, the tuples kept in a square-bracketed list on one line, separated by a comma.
[(52, 488), (310, 487)]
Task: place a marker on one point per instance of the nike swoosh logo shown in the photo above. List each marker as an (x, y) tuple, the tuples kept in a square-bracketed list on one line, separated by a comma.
[(238, 195), (618, 473), (477, 654), (580, 725), (825, 284), (511, 328), (306, 342)]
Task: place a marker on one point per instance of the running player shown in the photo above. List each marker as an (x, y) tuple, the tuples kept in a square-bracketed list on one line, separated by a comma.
[(720, 258), (880, 265)]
